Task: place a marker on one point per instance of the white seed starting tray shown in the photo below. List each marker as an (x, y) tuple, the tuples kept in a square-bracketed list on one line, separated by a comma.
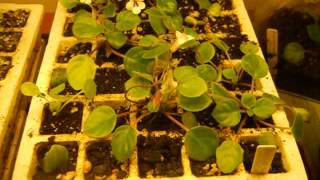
[(26, 164), (17, 43)]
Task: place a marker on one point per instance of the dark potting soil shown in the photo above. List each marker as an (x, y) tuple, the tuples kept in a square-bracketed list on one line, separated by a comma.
[(67, 121), (123, 119), (102, 56), (41, 150), (67, 29), (9, 41), (17, 18), (5, 65), (78, 7), (110, 81), (226, 24), (243, 84), (159, 156), (79, 48), (250, 147), (304, 78), (103, 163), (204, 117), (250, 122), (204, 168), (234, 44), (159, 122)]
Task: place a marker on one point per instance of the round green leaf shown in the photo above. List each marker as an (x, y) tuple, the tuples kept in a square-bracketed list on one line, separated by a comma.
[(86, 27), (79, 70), (298, 125), (57, 157), (100, 123), (201, 142), (126, 20), (314, 32), (148, 41), (90, 88), (58, 77), (227, 113), (173, 22), (138, 88), (189, 120), (215, 10), (110, 10), (264, 108), (124, 140), (203, 4), (219, 93), (191, 87), (195, 104), (207, 72), (134, 61), (155, 19), (30, 89), (293, 53), (229, 156), (205, 52), (249, 47), (184, 71), (156, 51), (116, 39), (255, 65), (230, 74), (167, 6), (152, 107), (69, 3), (54, 92), (248, 100)]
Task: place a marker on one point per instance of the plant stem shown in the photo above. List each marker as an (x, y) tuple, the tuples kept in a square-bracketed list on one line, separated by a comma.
[(67, 102), (117, 53), (142, 116), (270, 125), (252, 86), (129, 112), (174, 120), (243, 122)]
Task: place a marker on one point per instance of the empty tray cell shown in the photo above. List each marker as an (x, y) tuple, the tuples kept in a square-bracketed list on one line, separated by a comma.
[(17, 18), (43, 148), (5, 65), (110, 81), (103, 164), (159, 156), (9, 41), (59, 76), (67, 121), (69, 52), (249, 147)]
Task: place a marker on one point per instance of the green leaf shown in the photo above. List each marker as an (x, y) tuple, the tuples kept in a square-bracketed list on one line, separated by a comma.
[(116, 39), (85, 27), (110, 10), (194, 104), (184, 71), (124, 140), (167, 6), (189, 120), (90, 89), (203, 4), (215, 10), (219, 43), (264, 108), (293, 53), (229, 156), (267, 138), (101, 122), (314, 32), (54, 92), (148, 41), (248, 100), (30, 89), (191, 32), (55, 106), (69, 3), (156, 51), (109, 26), (192, 86), (152, 107), (134, 61), (126, 20), (255, 65), (227, 113), (173, 22), (138, 88), (79, 70), (273, 98), (201, 142), (219, 93), (249, 47), (207, 72), (155, 19), (57, 157), (143, 75), (300, 116), (205, 52), (230, 74), (58, 77)]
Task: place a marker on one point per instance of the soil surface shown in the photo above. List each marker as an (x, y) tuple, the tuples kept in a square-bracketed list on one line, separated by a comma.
[(103, 163), (159, 156), (243, 84), (204, 117), (102, 56), (9, 41), (303, 78), (79, 48), (159, 122), (67, 121), (41, 150), (110, 81), (5, 65), (17, 18), (250, 147), (204, 168), (67, 30)]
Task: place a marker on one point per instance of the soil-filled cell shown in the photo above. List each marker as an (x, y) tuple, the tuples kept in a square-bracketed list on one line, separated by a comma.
[(67, 121), (9, 41), (16, 19), (79, 48), (103, 163), (5, 65), (110, 81), (159, 156)]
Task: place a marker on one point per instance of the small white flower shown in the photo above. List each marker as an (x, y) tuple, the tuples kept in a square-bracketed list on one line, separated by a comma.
[(181, 38), (135, 6), (86, 1)]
